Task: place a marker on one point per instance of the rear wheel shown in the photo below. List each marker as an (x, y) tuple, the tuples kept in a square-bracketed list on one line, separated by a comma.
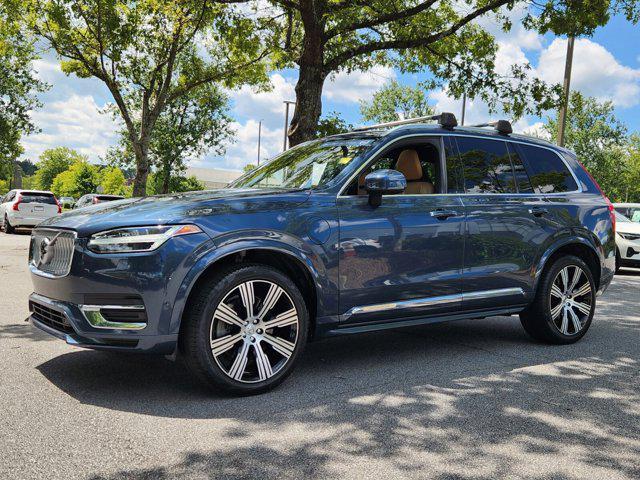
[(564, 305), (7, 226), (244, 329)]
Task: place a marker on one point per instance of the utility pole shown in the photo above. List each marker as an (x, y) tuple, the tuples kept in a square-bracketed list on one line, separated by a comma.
[(259, 138), (286, 122), (562, 114), (464, 105)]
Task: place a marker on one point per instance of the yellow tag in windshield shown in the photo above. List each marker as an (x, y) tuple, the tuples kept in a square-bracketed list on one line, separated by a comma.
[(345, 160)]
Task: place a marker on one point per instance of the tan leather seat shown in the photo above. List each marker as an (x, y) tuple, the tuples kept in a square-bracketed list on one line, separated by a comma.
[(408, 164)]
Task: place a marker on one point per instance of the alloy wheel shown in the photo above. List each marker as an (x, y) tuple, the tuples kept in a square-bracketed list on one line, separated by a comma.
[(254, 331), (571, 300)]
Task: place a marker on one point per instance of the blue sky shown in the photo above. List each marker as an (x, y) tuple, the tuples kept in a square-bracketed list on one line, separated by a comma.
[(606, 66)]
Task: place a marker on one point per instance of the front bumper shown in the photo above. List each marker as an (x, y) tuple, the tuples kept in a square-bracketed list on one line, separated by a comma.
[(629, 250), (120, 301), (72, 326)]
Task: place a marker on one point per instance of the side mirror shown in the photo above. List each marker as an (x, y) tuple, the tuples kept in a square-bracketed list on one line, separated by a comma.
[(383, 182)]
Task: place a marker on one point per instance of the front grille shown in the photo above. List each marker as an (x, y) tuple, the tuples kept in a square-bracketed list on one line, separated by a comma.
[(49, 316), (51, 251)]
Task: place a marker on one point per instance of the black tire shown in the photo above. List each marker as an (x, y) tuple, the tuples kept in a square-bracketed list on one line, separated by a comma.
[(538, 320), (202, 322), (7, 226)]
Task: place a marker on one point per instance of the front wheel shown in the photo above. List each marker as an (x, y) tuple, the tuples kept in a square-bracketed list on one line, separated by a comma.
[(244, 329), (564, 305)]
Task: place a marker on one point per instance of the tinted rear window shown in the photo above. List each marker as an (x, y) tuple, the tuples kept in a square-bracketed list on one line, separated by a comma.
[(486, 164), (28, 197), (547, 171), (106, 198)]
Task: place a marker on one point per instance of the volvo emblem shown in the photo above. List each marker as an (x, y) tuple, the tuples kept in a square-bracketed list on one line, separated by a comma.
[(46, 250)]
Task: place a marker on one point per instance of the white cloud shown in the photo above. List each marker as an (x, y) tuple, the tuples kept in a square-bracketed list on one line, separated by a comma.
[(267, 106), (352, 87), (74, 122), (595, 72), (245, 148)]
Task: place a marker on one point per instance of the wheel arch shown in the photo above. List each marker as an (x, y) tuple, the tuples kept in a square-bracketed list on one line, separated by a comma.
[(578, 246), (298, 265)]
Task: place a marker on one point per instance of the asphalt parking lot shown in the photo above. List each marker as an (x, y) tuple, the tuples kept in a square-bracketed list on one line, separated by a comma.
[(470, 399)]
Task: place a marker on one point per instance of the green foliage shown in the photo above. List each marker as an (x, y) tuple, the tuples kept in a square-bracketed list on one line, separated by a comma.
[(396, 102), (194, 124), (53, 162), (150, 53), (29, 182), (178, 183), (81, 178), (112, 181), (630, 178), (4, 186), (248, 167), (598, 138), (18, 83), (332, 124), (27, 166)]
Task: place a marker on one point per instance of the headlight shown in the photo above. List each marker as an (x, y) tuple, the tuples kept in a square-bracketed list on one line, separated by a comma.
[(137, 239), (629, 236)]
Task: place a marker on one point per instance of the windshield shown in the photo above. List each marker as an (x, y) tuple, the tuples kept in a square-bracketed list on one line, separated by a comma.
[(309, 165)]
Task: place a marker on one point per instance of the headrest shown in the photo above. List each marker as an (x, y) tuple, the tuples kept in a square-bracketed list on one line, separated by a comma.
[(409, 165)]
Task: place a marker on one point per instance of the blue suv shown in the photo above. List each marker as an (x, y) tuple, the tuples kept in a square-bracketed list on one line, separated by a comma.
[(379, 228)]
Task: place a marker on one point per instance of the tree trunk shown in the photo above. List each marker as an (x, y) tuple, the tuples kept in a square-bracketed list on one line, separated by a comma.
[(166, 177), (304, 123), (141, 150), (306, 116)]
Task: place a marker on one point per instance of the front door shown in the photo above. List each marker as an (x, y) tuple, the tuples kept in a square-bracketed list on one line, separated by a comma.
[(404, 257)]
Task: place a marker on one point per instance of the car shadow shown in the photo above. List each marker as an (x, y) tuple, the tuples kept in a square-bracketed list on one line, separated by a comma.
[(474, 395)]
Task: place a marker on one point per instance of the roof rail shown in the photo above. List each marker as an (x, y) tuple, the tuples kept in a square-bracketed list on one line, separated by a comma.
[(445, 119), (503, 127)]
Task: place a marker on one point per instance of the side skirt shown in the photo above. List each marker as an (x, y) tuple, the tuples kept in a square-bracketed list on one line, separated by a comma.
[(327, 328)]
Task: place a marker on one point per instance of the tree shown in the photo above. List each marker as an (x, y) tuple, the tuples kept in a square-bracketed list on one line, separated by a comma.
[(178, 183), (194, 124), (332, 124), (150, 53), (630, 192), (53, 162), (323, 38), (81, 178), (597, 137), (112, 181), (18, 85), (396, 102)]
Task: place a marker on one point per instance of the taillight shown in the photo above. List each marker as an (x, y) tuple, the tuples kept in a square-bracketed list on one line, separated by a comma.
[(18, 200), (59, 206), (612, 213)]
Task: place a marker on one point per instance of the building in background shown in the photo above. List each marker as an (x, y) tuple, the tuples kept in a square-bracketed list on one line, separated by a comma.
[(212, 177)]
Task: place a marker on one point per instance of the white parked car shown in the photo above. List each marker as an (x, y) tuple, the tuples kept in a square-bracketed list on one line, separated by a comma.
[(627, 242), (27, 208), (629, 210)]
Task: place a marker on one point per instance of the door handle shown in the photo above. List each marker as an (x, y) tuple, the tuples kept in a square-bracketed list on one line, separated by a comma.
[(538, 211), (441, 214)]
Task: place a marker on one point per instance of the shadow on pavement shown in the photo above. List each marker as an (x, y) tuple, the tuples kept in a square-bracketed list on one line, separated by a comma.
[(439, 401)]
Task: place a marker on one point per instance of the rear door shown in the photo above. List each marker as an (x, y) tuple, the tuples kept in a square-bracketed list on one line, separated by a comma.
[(38, 205), (507, 225)]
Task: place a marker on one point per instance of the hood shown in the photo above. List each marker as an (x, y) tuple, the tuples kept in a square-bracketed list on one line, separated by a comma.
[(628, 227), (172, 208)]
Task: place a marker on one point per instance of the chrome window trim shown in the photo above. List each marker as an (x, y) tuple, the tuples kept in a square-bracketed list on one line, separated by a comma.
[(39, 272), (442, 135), (430, 301), (95, 318)]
